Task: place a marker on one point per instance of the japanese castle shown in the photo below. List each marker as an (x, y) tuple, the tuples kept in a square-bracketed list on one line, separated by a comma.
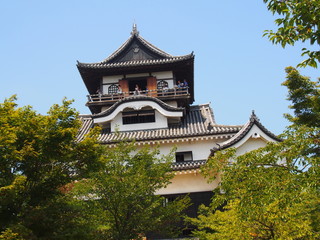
[(141, 92)]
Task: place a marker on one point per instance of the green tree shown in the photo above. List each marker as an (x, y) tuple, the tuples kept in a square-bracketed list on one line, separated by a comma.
[(305, 97), (272, 192), (124, 192), (39, 155), (299, 21)]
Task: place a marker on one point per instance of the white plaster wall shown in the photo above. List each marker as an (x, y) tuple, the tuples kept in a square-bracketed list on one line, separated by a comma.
[(161, 75), (200, 149), (115, 78), (107, 81), (186, 183), (172, 103), (105, 89), (254, 139), (137, 105), (195, 182), (111, 79), (165, 75), (251, 144), (161, 122), (137, 75)]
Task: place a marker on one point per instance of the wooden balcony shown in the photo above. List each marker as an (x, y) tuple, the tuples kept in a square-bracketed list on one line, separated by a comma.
[(163, 94)]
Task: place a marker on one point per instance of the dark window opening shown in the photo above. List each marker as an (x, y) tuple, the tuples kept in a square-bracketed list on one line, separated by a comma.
[(144, 116), (197, 199), (184, 156), (168, 199), (113, 89), (141, 83)]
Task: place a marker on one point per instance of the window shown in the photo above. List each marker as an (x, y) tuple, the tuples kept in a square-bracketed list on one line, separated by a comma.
[(143, 116), (162, 84), (168, 199), (113, 89), (140, 82), (184, 156)]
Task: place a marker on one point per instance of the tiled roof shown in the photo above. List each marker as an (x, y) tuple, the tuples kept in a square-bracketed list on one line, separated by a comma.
[(141, 40), (135, 62), (241, 134), (199, 121), (187, 165), (163, 57), (137, 98)]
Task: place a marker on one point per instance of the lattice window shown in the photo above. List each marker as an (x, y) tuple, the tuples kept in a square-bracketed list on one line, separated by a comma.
[(143, 116), (113, 89), (162, 84)]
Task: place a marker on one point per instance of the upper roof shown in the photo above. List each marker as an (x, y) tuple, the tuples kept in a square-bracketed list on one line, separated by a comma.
[(134, 52), (137, 55), (199, 121)]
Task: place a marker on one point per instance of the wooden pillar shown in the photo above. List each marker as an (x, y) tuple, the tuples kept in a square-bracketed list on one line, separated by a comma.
[(152, 86), (124, 84)]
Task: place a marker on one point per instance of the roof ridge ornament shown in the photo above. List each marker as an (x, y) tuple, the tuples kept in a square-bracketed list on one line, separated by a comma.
[(135, 30), (254, 117)]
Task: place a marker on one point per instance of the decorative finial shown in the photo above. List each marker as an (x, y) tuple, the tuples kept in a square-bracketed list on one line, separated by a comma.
[(134, 30), (254, 117)]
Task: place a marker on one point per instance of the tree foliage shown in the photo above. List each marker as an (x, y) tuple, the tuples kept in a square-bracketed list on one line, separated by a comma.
[(124, 190), (305, 97), (299, 21), (53, 186), (39, 155), (272, 192)]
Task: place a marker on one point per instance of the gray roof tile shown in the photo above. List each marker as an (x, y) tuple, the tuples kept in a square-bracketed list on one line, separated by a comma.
[(187, 165), (244, 130), (135, 63), (199, 121), (163, 56)]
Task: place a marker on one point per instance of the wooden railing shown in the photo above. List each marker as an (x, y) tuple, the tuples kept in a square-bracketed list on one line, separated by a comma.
[(159, 93)]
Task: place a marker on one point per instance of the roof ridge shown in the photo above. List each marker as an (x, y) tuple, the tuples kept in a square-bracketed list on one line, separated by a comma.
[(243, 131), (153, 47), (115, 53)]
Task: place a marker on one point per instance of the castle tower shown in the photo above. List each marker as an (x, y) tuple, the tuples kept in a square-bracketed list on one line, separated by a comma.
[(146, 94)]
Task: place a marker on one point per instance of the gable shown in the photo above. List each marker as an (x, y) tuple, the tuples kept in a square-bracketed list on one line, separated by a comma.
[(137, 103), (253, 131), (135, 51)]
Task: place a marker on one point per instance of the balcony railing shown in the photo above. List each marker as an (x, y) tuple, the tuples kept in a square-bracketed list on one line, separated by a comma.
[(165, 93)]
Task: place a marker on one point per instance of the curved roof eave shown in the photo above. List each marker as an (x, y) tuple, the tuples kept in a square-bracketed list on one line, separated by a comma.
[(106, 65), (254, 120), (135, 35), (134, 99)]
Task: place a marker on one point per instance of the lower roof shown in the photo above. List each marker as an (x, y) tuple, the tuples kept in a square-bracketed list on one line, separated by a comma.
[(199, 121)]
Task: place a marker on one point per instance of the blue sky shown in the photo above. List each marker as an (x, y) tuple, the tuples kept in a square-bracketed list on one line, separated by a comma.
[(236, 69)]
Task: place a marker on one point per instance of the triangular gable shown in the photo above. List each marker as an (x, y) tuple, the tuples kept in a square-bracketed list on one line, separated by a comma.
[(136, 48), (253, 129)]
